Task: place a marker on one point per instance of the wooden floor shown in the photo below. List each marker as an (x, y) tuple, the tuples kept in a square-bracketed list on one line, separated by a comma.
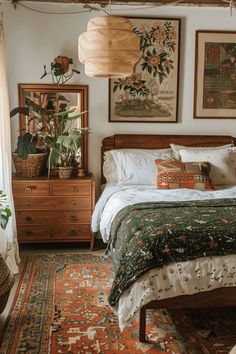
[(29, 249)]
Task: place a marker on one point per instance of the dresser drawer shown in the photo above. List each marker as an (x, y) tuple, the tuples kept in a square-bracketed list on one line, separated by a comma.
[(51, 217), (53, 203), (50, 234), (29, 188), (76, 188)]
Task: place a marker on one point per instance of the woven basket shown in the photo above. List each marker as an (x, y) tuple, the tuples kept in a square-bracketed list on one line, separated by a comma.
[(65, 172), (6, 283), (32, 166)]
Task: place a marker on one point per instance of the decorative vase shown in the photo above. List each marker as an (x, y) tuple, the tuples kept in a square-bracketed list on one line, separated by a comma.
[(65, 171)]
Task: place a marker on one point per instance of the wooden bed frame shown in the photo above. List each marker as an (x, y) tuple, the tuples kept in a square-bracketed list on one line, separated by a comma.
[(221, 297)]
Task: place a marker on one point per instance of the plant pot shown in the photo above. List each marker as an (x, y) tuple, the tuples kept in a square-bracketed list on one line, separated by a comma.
[(6, 283), (65, 171), (63, 61), (32, 166)]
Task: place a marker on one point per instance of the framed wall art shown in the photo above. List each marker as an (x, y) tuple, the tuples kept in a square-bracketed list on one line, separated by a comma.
[(215, 75), (150, 94)]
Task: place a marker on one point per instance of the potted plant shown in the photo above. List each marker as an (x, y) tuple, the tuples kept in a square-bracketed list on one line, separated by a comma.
[(54, 134), (31, 153), (6, 279), (60, 70), (65, 144)]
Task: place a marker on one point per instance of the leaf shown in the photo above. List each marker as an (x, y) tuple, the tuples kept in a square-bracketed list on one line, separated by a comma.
[(20, 110), (115, 88), (26, 144), (62, 98), (58, 72), (44, 74)]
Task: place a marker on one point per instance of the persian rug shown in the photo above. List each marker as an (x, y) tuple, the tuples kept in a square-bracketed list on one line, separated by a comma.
[(61, 307)]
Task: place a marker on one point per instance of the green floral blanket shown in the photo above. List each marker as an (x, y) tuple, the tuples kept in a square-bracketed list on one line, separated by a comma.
[(150, 235)]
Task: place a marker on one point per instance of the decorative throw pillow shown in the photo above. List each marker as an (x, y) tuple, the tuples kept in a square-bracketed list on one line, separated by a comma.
[(222, 169), (176, 149), (176, 174)]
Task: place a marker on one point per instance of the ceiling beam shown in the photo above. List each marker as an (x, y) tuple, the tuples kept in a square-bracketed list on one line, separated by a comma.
[(148, 2)]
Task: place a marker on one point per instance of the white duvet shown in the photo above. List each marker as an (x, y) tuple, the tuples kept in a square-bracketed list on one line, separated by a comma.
[(202, 274)]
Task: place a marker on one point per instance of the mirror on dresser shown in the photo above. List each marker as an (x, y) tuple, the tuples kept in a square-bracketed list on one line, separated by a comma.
[(54, 98)]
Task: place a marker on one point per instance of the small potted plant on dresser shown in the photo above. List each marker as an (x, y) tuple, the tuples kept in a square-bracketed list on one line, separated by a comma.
[(64, 146)]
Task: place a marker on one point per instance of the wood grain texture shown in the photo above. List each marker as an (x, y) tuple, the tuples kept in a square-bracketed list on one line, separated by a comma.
[(54, 210)]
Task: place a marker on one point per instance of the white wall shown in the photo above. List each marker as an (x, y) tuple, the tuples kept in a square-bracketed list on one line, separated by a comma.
[(34, 39)]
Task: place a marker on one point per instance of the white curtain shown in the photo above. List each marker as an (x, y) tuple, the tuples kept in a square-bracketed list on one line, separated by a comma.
[(8, 238)]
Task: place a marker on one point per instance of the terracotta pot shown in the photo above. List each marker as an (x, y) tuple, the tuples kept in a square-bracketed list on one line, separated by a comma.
[(64, 61)]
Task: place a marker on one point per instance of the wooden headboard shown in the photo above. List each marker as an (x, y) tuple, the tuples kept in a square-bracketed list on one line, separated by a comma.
[(147, 141)]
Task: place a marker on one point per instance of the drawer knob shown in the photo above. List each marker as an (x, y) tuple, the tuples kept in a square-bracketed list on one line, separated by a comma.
[(28, 203), (72, 233), (28, 190), (73, 202), (50, 235), (73, 218), (28, 233), (74, 189), (28, 218)]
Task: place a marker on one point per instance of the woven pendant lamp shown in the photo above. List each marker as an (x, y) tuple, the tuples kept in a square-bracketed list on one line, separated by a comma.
[(109, 48)]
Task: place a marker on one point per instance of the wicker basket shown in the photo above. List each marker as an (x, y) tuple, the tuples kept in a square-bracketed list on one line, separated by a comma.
[(32, 166), (6, 283), (65, 172)]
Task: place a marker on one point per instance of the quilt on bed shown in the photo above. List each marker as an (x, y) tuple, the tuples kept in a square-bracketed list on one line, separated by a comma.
[(150, 235)]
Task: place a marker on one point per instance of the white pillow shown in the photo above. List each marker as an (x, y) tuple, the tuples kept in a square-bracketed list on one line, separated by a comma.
[(177, 148), (109, 168), (222, 169), (110, 171), (133, 166)]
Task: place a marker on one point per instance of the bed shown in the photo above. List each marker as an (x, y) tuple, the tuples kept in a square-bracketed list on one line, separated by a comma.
[(220, 294)]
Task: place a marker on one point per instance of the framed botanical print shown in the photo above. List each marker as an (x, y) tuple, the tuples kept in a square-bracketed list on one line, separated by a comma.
[(215, 75), (150, 94)]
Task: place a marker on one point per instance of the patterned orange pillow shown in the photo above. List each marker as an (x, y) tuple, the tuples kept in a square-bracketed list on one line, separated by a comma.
[(176, 174)]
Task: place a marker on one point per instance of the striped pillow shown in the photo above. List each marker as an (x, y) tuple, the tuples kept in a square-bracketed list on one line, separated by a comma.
[(176, 174)]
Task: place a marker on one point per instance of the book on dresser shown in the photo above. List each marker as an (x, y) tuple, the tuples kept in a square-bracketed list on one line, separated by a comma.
[(54, 210)]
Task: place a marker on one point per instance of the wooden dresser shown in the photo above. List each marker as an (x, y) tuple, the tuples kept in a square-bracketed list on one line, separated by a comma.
[(54, 210)]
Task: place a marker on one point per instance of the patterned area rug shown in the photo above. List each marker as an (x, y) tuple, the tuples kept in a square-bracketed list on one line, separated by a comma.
[(61, 307)]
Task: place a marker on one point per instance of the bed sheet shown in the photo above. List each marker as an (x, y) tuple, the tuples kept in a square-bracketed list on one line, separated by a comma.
[(201, 274)]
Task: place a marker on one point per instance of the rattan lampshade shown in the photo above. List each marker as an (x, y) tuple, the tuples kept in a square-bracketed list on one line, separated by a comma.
[(109, 48)]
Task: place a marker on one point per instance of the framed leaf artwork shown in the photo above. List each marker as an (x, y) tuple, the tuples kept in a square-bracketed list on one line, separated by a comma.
[(150, 94), (215, 75)]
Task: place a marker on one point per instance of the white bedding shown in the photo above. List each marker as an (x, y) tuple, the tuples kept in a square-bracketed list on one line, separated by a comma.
[(202, 274)]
